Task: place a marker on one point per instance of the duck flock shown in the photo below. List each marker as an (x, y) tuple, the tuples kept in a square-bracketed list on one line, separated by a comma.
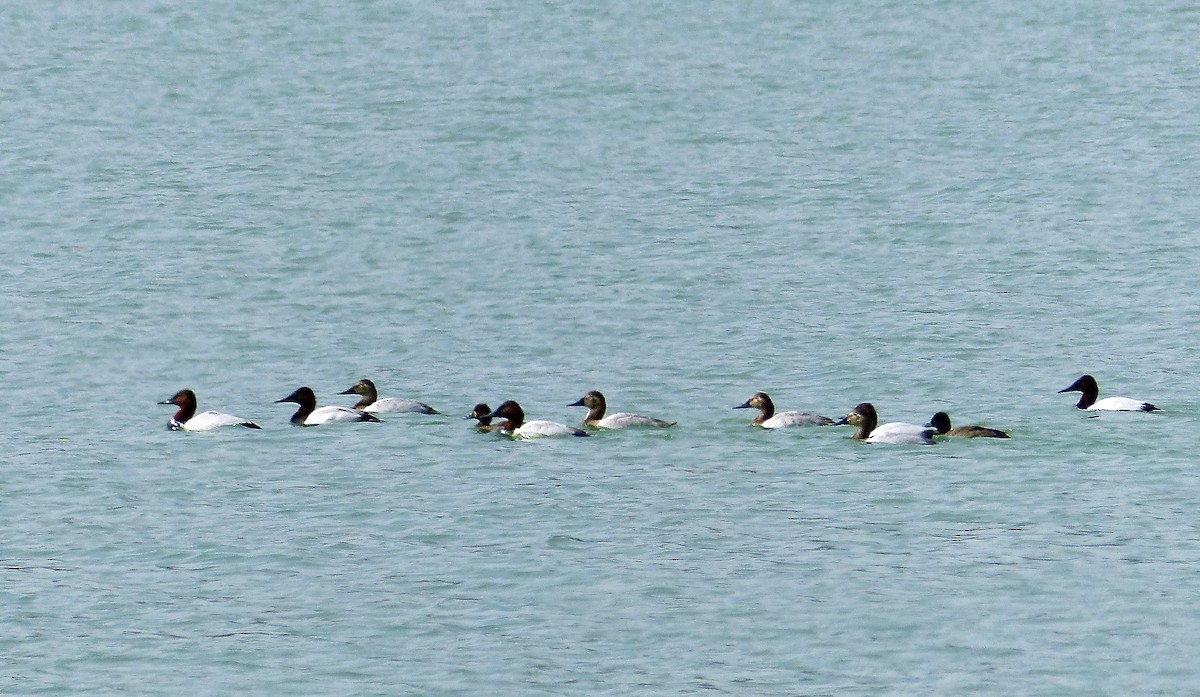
[(511, 422)]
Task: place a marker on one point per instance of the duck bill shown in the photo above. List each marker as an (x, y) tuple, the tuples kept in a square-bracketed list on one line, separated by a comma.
[(744, 405), (167, 401), (1072, 388), (844, 421), (577, 403)]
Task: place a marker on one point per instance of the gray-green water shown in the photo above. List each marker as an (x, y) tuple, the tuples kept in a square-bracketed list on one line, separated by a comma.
[(932, 205)]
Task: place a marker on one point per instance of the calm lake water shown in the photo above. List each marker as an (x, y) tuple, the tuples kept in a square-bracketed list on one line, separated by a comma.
[(928, 206)]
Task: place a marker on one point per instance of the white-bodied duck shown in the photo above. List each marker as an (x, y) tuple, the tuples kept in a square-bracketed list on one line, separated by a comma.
[(309, 415), (516, 426), (864, 417), (941, 423), (1086, 384), (186, 419)]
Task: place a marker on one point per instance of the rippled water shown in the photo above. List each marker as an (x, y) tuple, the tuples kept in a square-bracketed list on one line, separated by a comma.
[(930, 206)]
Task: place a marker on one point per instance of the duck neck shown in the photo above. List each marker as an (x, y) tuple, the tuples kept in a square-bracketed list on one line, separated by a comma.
[(766, 409), (302, 413), (368, 396), (594, 414), (865, 426), (186, 411), (513, 422)]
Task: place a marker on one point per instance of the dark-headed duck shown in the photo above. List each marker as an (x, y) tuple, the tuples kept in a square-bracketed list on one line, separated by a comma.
[(941, 423), (1086, 384), (186, 419), (482, 415), (309, 415)]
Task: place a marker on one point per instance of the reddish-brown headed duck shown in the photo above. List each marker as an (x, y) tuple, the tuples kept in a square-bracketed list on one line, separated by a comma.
[(186, 419), (516, 426)]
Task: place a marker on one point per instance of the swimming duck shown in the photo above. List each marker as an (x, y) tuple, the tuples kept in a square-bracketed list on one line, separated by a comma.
[(482, 414), (186, 419), (767, 418), (1087, 385), (516, 426), (941, 423), (866, 419), (309, 415), (595, 418), (371, 403)]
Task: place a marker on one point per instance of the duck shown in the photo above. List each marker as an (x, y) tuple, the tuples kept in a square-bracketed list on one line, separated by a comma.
[(1086, 384), (595, 418), (767, 418), (516, 426), (371, 402), (186, 419), (940, 422), (310, 415), (866, 419), (481, 414)]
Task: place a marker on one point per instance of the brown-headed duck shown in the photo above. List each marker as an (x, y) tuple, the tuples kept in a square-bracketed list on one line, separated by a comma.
[(371, 403), (864, 417), (767, 418), (595, 418), (186, 419)]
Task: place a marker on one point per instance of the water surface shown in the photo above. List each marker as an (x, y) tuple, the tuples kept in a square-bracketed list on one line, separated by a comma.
[(929, 206)]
